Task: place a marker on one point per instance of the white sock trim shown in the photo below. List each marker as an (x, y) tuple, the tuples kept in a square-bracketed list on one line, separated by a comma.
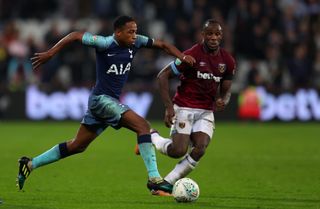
[(191, 161), (160, 142), (182, 169), (165, 147), (154, 134)]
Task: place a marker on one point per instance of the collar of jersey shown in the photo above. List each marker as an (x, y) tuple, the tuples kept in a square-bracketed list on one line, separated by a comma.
[(114, 39)]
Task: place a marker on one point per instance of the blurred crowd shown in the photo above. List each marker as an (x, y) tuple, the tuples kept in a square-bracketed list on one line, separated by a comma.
[(276, 42)]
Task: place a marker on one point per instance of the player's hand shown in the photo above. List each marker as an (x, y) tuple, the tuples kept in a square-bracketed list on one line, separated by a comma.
[(39, 59), (169, 116), (188, 59), (220, 105)]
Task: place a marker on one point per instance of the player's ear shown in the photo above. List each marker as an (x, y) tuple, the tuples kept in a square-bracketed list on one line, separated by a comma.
[(117, 32), (202, 33)]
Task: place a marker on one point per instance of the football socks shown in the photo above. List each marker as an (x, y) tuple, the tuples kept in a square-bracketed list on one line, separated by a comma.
[(182, 169), (148, 155), (160, 143), (52, 155)]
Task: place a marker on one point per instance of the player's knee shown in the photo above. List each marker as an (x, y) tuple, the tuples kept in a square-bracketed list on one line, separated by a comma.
[(179, 152), (199, 151)]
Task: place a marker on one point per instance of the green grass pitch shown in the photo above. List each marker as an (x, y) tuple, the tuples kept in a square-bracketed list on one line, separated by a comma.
[(247, 166)]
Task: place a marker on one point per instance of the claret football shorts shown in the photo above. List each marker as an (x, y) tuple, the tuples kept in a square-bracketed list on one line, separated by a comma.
[(189, 120)]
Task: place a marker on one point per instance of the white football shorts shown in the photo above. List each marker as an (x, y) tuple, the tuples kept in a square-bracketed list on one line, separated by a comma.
[(189, 120)]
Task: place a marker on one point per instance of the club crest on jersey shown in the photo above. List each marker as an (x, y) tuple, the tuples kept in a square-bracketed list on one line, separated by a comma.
[(130, 51), (182, 125), (222, 68)]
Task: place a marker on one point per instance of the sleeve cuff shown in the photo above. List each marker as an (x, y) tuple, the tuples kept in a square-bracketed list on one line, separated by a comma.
[(174, 69)]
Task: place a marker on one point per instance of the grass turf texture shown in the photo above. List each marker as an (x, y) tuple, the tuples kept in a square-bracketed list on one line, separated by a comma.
[(247, 165)]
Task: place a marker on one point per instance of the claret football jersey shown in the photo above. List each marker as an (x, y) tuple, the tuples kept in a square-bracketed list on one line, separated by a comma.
[(199, 83)]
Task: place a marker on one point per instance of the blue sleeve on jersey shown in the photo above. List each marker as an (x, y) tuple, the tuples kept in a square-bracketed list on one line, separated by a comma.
[(96, 41), (174, 68), (143, 41)]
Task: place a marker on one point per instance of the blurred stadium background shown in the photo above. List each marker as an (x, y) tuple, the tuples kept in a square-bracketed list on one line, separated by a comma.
[(276, 44)]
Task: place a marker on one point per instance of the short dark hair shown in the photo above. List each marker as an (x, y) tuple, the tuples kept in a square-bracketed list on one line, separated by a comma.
[(210, 21), (121, 21)]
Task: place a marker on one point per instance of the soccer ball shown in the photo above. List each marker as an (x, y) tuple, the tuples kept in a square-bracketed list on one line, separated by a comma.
[(185, 190)]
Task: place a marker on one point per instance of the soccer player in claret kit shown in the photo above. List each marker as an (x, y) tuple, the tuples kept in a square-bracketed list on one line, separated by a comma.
[(204, 88), (114, 55)]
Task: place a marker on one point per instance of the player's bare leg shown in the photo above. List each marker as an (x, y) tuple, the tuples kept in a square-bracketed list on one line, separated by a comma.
[(82, 140), (77, 145), (134, 122), (178, 146), (174, 148), (200, 142)]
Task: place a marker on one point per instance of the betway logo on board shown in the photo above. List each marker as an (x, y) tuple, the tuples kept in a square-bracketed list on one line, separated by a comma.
[(73, 103), (257, 103)]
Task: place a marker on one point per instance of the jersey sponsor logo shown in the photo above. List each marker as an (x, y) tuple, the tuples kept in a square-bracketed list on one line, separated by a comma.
[(222, 68), (119, 70), (208, 76), (202, 64)]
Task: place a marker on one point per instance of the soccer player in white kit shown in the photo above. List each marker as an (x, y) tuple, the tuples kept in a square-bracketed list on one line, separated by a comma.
[(204, 88)]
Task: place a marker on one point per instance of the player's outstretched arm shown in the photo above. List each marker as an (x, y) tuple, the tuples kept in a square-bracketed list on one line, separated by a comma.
[(43, 57), (172, 50), (163, 82)]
